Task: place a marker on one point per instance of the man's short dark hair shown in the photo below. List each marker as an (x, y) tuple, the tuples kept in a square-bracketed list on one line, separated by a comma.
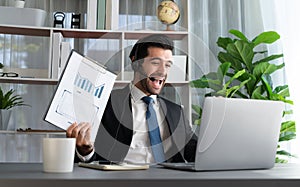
[(140, 49)]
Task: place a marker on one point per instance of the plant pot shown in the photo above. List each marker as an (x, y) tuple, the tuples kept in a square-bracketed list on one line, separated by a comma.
[(4, 119)]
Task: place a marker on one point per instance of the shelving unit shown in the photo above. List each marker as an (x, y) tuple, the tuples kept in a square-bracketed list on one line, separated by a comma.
[(122, 36), (124, 39)]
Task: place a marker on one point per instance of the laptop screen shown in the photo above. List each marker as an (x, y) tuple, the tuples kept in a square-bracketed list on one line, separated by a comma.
[(238, 133)]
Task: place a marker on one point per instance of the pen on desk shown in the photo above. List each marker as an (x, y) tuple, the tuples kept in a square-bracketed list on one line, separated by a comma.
[(106, 162), (29, 77)]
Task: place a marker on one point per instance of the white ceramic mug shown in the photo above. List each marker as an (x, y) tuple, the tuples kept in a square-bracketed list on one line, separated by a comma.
[(58, 154)]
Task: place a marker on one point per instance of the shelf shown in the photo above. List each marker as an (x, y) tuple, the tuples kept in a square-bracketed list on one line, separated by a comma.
[(93, 34), (83, 33), (41, 132), (25, 30), (68, 33), (16, 80), (175, 35)]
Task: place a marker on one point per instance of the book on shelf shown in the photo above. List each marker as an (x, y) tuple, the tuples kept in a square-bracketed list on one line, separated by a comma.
[(65, 49), (91, 14), (101, 14), (112, 15), (57, 38)]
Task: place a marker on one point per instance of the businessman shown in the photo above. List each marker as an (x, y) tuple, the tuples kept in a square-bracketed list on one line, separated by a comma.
[(139, 126)]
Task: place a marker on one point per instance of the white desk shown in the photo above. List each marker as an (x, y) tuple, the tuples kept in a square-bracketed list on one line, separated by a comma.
[(31, 174)]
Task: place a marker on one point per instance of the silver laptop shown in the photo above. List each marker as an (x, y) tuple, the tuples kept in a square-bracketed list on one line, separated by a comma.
[(236, 134)]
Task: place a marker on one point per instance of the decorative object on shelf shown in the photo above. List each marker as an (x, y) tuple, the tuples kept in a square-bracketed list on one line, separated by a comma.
[(59, 18), (245, 72), (75, 20), (168, 13), (19, 4), (7, 102), (8, 74), (22, 16), (4, 119)]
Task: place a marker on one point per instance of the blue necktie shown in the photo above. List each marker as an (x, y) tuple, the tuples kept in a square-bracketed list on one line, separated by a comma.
[(154, 133)]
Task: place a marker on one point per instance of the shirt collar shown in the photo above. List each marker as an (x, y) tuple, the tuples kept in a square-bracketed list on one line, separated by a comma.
[(137, 94)]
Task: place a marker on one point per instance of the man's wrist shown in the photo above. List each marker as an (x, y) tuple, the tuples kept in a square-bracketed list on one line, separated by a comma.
[(85, 149), (85, 158)]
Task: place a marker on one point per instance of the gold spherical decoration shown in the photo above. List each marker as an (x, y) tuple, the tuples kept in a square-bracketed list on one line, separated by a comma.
[(168, 12)]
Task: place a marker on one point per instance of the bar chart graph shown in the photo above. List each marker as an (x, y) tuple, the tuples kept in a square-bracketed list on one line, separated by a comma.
[(86, 85)]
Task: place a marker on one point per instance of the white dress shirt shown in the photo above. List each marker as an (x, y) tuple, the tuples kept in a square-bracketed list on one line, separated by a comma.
[(140, 148)]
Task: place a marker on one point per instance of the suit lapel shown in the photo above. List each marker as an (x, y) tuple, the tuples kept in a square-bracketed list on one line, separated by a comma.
[(176, 129), (170, 121), (121, 105)]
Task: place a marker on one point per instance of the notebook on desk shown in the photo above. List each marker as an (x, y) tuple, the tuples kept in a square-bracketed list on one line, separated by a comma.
[(236, 134)]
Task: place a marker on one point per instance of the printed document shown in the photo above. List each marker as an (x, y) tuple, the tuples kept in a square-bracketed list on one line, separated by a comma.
[(82, 94)]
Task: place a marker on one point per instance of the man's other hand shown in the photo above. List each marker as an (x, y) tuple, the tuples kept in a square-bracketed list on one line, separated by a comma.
[(82, 133)]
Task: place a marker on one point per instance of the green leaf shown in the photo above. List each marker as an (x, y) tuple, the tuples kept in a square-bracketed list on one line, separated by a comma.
[(207, 81), (280, 160), (222, 93), (286, 136), (197, 122), (222, 70), (287, 112), (282, 90), (266, 37), (234, 91), (8, 100), (197, 109), (223, 42), (269, 58), (234, 77), (268, 86), (288, 126), (287, 131), (285, 153), (225, 57), (266, 68), (257, 95), (238, 34), (243, 52)]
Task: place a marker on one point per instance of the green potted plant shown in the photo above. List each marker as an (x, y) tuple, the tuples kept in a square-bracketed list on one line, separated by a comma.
[(8, 100), (245, 72)]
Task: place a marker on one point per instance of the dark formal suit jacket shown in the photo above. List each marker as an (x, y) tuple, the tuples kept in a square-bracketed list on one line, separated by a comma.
[(115, 132)]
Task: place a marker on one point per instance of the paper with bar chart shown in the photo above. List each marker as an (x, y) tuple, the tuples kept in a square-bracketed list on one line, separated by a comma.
[(81, 95)]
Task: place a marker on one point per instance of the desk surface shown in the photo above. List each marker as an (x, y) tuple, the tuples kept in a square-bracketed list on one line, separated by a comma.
[(26, 174)]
